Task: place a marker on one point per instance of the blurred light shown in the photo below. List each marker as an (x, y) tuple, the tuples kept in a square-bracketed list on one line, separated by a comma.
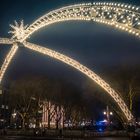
[(100, 129), (111, 113), (104, 113)]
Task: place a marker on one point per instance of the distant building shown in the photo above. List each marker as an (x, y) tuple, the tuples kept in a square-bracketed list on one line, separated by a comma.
[(52, 115), (4, 108)]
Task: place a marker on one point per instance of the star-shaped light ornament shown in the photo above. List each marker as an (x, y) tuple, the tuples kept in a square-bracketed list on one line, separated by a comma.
[(18, 31)]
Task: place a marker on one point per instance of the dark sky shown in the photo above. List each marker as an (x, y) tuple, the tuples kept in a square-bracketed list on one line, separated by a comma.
[(97, 46)]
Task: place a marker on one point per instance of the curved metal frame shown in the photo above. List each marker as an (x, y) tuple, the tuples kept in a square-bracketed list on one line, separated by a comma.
[(7, 60), (122, 16), (84, 70)]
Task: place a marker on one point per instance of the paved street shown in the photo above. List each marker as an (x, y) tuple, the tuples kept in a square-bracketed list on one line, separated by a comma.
[(44, 138)]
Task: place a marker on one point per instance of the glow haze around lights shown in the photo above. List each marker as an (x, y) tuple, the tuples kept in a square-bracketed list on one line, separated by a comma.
[(86, 12)]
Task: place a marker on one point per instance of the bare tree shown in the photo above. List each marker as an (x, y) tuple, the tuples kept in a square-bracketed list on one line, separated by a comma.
[(26, 96)]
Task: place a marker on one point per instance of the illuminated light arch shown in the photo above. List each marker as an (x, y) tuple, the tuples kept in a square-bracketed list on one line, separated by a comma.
[(86, 71), (72, 63), (6, 41), (122, 16), (7, 60)]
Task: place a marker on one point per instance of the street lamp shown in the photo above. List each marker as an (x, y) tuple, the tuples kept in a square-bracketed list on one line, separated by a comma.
[(108, 113), (104, 112), (0, 90), (14, 114), (111, 113), (14, 119), (39, 109)]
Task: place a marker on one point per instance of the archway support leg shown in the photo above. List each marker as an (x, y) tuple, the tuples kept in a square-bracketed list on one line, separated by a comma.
[(7, 61), (87, 72)]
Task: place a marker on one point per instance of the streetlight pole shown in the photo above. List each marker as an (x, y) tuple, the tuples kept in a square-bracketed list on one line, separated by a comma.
[(39, 110), (108, 113), (14, 115), (0, 89)]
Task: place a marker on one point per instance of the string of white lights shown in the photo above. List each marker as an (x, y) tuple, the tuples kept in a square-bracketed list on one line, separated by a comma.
[(7, 61), (86, 71), (107, 13), (122, 16), (6, 41)]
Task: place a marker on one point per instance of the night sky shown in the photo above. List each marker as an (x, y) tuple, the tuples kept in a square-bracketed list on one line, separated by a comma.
[(97, 46)]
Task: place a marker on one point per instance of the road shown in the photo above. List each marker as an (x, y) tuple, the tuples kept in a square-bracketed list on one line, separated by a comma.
[(44, 138)]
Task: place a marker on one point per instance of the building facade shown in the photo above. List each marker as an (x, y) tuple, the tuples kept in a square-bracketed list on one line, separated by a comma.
[(53, 116)]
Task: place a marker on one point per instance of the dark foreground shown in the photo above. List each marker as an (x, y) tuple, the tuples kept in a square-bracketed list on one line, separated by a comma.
[(66, 135), (46, 138)]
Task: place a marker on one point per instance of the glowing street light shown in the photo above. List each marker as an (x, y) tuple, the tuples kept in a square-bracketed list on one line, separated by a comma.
[(104, 113), (111, 113), (108, 113), (14, 114)]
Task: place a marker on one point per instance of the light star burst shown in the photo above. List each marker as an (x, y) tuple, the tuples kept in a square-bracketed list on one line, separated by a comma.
[(18, 30)]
